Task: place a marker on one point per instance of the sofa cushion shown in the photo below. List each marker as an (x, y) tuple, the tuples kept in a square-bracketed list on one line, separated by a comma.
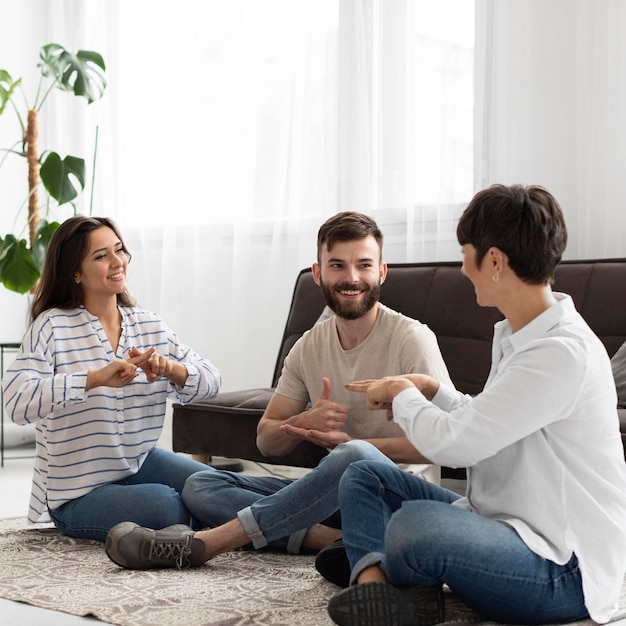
[(226, 426), (618, 363), (246, 399)]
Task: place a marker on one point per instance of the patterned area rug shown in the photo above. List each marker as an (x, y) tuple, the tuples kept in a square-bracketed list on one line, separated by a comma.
[(41, 567)]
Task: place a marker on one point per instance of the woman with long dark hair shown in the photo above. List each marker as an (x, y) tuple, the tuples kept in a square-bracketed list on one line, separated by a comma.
[(93, 372)]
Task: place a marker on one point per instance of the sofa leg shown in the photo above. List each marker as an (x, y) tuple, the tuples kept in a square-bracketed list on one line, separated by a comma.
[(231, 465), (201, 458)]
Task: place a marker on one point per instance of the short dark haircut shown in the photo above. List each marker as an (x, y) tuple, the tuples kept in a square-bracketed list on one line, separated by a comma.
[(68, 247), (525, 222), (347, 226)]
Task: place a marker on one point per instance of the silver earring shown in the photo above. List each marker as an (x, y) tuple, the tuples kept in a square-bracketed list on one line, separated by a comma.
[(495, 278)]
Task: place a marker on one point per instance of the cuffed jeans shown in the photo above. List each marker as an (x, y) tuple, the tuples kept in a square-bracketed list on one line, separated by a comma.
[(276, 512), (151, 497), (410, 528)]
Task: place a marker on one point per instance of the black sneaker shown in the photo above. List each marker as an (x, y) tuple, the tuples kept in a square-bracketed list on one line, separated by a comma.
[(379, 604), (135, 547), (332, 563)]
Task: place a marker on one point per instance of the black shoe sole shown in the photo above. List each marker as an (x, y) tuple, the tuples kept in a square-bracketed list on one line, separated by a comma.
[(332, 563), (378, 604)]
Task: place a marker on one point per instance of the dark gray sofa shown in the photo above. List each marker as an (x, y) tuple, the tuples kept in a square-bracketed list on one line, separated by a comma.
[(434, 293)]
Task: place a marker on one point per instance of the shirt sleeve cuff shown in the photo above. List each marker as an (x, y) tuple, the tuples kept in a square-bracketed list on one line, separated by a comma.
[(409, 399), (405, 401), (78, 382), (445, 398), (191, 384)]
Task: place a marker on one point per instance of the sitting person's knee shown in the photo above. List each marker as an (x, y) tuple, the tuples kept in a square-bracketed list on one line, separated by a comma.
[(358, 450)]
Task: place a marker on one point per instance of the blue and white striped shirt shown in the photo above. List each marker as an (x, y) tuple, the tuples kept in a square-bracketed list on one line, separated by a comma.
[(90, 438)]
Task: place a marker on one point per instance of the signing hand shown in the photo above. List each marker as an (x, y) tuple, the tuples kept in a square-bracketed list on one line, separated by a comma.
[(325, 415), (154, 365), (118, 373), (380, 393), (328, 439)]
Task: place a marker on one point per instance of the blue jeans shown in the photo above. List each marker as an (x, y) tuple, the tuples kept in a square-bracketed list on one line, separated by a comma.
[(276, 512), (409, 527), (151, 497)]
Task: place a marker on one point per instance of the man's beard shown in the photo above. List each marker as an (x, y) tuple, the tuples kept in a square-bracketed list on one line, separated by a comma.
[(346, 309)]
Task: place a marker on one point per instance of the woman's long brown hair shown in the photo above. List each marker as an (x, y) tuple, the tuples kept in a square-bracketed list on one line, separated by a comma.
[(68, 247)]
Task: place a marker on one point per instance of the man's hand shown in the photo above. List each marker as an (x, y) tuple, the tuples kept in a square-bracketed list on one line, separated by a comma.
[(287, 421), (325, 439), (326, 415)]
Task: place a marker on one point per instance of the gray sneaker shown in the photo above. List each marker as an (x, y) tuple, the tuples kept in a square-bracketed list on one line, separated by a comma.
[(135, 547)]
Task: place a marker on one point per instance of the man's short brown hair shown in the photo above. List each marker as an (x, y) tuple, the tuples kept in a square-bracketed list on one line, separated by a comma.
[(347, 226)]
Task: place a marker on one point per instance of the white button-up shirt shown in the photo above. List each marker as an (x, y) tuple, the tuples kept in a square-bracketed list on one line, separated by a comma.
[(542, 446)]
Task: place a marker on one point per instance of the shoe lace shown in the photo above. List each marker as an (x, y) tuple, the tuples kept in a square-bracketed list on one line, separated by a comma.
[(177, 551)]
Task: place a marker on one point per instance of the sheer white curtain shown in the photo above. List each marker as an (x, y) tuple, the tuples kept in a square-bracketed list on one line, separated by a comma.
[(240, 168), (551, 110), (231, 130), (406, 118)]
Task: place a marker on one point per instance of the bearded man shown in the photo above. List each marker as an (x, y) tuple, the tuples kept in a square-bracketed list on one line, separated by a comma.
[(361, 339)]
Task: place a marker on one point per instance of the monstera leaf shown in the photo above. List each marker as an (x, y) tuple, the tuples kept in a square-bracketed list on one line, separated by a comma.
[(7, 87), (45, 231), (82, 73), (56, 176), (20, 266), (17, 267)]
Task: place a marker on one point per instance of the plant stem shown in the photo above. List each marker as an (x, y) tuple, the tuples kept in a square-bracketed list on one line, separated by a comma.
[(33, 174), (93, 171)]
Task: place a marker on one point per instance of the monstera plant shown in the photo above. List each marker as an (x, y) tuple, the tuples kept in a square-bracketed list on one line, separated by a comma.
[(63, 178)]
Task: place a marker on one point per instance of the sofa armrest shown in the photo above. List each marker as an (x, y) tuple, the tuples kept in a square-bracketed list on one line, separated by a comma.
[(226, 426)]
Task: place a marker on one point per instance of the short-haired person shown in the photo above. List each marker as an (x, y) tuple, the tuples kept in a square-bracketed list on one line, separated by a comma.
[(541, 534), (362, 339), (93, 373)]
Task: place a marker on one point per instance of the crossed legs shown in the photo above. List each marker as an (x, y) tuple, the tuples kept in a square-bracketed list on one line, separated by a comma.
[(285, 515), (401, 529)]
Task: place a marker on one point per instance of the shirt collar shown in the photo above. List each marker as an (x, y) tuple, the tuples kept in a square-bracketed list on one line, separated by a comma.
[(539, 327)]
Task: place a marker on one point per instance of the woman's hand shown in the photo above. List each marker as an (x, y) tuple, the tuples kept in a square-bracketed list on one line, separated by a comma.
[(380, 393), (118, 373), (156, 366)]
